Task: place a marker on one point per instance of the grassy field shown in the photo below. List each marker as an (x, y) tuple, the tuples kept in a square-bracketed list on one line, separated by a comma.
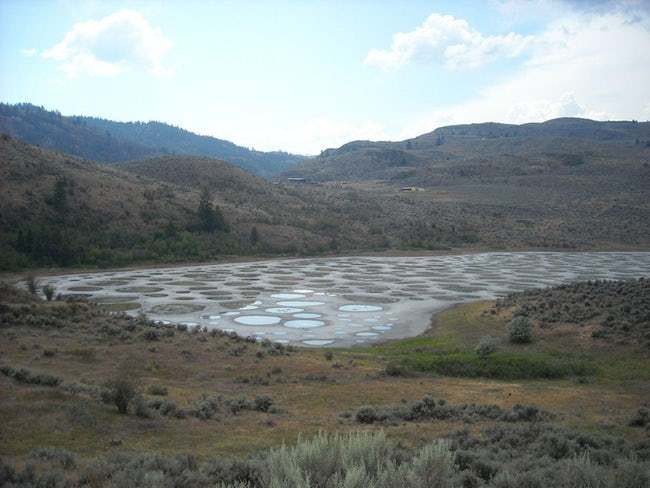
[(309, 388)]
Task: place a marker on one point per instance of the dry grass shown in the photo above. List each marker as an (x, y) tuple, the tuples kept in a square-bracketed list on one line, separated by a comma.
[(304, 384)]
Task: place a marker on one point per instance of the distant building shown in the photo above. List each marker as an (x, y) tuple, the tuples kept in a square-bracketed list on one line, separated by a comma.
[(408, 188), (296, 180)]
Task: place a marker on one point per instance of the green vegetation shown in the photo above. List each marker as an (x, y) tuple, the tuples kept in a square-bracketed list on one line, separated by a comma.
[(429, 409), (520, 331), (210, 217), (620, 310), (504, 365), (507, 457), (114, 142)]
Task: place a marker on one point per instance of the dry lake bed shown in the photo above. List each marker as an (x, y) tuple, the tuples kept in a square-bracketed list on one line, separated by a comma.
[(337, 301)]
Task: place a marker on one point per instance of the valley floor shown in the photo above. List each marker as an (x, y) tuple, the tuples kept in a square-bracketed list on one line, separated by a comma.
[(283, 393)]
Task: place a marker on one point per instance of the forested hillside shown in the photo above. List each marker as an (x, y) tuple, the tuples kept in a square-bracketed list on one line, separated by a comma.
[(113, 142)]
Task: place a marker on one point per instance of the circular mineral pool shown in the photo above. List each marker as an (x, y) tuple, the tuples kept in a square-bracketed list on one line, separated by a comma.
[(257, 320), (307, 315), (283, 310), (317, 342), (287, 296), (303, 324), (382, 327), (360, 308), (300, 304)]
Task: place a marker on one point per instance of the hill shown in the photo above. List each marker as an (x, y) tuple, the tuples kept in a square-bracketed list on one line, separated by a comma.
[(147, 210), (113, 142), (564, 183), (59, 209), (613, 310), (453, 154)]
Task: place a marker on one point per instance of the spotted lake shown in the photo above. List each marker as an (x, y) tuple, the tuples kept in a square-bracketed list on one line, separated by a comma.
[(337, 301)]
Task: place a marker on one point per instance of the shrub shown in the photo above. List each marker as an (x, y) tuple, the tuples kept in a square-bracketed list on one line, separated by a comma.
[(486, 346), (358, 460), (151, 335), (520, 330), (48, 291), (141, 408), (120, 391), (262, 403), (641, 419), (329, 355), (428, 408), (206, 408), (62, 456), (366, 415), (168, 408), (395, 369), (23, 375), (157, 390), (500, 365)]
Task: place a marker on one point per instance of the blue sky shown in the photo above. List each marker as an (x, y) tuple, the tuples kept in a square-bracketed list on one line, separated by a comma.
[(304, 75)]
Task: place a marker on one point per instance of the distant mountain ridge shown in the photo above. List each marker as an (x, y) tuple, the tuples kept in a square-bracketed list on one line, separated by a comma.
[(485, 149), (114, 142)]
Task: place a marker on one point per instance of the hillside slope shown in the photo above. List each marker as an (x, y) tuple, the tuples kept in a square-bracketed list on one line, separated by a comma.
[(174, 140), (559, 147), (112, 142), (58, 209)]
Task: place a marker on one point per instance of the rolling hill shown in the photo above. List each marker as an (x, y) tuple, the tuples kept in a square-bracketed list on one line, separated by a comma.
[(466, 191), (113, 142), (57, 209), (559, 147)]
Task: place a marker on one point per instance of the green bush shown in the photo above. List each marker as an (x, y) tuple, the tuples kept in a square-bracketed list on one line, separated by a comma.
[(48, 291), (428, 408), (486, 346), (120, 392), (520, 330), (500, 365), (366, 415), (23, 375)]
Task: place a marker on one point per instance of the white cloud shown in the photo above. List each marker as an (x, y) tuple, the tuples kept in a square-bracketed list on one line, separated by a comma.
[(584, 65), (119, 42), (450, 40), (29, 52), (270, 131)]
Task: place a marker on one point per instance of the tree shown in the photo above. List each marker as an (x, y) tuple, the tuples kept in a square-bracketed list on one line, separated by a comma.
[(59, 197), (255, 237), (123, 387), (210, 217)]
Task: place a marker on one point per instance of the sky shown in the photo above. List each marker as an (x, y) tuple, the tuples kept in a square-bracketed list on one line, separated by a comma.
[(303, 76)]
